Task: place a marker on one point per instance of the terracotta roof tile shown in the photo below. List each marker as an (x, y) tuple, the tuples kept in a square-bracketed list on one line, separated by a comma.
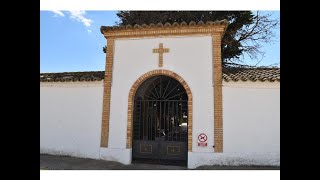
[(72, 76), (251, 74), (229, 74), (161, 25)]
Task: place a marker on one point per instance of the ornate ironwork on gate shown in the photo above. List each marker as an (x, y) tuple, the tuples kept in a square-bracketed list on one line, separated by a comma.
[(160, 129)]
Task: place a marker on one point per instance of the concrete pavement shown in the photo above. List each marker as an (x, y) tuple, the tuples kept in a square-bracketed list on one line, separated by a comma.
[(51, 162)]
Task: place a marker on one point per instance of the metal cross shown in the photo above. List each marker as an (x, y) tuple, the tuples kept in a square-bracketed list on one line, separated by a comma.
[(161, 50)]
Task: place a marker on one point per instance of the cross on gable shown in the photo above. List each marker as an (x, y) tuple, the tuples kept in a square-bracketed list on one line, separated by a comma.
[(161, 50)]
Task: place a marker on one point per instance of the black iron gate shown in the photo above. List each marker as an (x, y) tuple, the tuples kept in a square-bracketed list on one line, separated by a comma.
[(160, 130)]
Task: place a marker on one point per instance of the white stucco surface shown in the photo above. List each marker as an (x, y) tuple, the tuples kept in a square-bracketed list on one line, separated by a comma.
[(121, 155), (251, 117), (251, 126), (70, 118), (190, 57), (233, 159)]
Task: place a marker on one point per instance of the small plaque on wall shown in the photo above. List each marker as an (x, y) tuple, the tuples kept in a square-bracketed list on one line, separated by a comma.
[(202, 140)]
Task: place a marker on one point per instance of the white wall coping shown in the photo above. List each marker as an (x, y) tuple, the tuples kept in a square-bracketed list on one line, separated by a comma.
[(72, 84), (252, 85)]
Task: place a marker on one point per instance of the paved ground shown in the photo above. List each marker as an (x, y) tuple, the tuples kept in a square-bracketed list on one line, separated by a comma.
[(50, 162)]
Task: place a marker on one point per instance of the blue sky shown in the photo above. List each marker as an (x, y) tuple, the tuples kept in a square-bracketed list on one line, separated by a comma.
[(71, 41)]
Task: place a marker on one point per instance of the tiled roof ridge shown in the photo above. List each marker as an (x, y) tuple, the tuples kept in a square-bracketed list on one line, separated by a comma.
[(70, 72), (164, 25), (270, 74), (72, 76), (261, 67)]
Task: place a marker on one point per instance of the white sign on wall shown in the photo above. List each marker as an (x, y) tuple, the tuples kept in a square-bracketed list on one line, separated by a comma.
[(202, 140)]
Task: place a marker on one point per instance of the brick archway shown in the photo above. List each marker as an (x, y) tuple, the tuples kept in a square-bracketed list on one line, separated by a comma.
[(132, 93)]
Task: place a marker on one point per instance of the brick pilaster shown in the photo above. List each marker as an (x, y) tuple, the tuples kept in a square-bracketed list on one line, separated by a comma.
[(107, 93), (217, 95)]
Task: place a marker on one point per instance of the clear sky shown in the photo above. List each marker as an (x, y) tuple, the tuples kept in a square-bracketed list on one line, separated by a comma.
[(71, 41)]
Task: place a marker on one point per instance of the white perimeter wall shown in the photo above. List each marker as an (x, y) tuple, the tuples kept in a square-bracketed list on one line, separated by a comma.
[(70, 113), (251, 126), (70, 118), (251, 117)]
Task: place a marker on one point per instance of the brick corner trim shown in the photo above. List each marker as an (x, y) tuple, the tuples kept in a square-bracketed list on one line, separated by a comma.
[(135, 87), (107, 93), (217, 92)]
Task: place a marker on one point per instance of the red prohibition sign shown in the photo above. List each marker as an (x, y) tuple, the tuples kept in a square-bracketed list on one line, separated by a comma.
[(202, 137)]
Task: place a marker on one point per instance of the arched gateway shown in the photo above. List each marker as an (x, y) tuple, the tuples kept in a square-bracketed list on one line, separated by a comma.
[(161, 111), (160, 118)]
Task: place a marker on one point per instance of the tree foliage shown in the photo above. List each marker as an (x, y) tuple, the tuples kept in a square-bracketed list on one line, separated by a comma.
[(245, 33)]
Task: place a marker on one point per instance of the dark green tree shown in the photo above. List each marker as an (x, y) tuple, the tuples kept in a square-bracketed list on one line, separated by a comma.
[(245, 33)]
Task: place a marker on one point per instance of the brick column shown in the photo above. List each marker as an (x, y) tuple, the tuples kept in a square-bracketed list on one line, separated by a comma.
[(217, 95), (107, 93)]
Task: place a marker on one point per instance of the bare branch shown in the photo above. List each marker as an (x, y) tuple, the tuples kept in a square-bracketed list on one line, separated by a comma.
[(252, 37)]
